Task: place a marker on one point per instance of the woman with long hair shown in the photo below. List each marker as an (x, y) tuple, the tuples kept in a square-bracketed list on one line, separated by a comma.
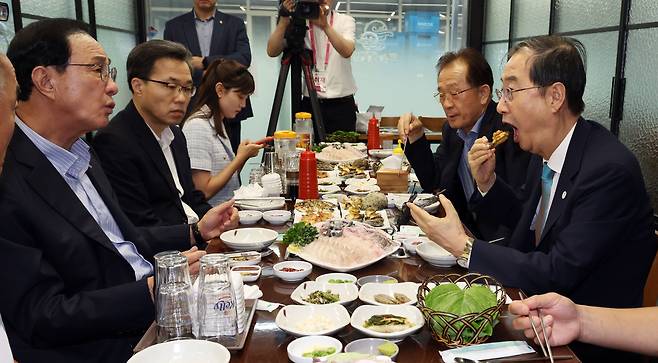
[(224, 89)]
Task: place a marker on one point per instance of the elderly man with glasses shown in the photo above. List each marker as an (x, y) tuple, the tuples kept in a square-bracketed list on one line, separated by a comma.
[(77, 275), (465, 83), (583, 227), (143, 151)]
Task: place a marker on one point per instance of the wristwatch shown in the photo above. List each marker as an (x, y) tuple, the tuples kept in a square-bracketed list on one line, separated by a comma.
[(466, 254), (201, 243)]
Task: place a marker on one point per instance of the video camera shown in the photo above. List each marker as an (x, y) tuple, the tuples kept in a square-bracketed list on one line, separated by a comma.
[(304, 9), (4, 11)]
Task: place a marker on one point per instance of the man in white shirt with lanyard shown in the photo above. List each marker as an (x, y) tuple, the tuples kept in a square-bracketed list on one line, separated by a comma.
[(331, 39)]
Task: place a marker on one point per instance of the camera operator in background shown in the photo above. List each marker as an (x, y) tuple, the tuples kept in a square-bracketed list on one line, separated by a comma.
[(330, 37)]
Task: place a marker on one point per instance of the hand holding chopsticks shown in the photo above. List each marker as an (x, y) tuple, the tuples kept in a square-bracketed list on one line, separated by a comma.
[(543, 330), (556, 316)]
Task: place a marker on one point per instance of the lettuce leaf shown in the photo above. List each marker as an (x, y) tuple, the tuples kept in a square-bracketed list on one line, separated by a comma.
[(450, 298)]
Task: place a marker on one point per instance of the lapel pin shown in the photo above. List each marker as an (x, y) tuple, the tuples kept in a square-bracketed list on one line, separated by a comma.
[(221, 22), (564, 194)]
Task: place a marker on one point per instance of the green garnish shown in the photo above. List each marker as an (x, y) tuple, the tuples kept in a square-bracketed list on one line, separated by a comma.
[(319, 352), (322, 297), (318, 148), (339, 281), (343, 136), (300, 234)]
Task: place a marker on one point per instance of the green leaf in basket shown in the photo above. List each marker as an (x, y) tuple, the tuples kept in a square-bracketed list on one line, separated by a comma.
[(450, 298)]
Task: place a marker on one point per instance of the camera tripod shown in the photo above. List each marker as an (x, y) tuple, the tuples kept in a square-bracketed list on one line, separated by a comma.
[(298, 58)]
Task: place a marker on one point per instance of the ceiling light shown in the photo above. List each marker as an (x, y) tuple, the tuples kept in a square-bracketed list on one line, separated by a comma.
[(337, 5), (243, 9)]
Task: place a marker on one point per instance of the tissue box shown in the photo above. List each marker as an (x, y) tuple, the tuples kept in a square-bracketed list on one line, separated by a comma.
[(393, 180)]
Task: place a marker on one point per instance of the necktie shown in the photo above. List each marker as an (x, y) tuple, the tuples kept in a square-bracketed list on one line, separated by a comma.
[(546, 183)]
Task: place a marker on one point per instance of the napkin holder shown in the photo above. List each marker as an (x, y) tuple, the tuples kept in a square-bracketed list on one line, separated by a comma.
[(393, 180)]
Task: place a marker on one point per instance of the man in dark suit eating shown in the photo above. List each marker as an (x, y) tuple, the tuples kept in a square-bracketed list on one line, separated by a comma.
[(584, 225)]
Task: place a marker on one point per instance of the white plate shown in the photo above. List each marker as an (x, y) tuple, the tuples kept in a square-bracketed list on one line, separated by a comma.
[(364, 312), (190, 350), (361, 181), (302, 345), (332, 180), (277, 217), (369, 290), (244, 258), (327, 189), (331, 267), (362, 189), (296, 319), (346, 292), (249, 239), (381, 153), (321, 157), (304, 268), (261, 204), (435, 254), (324, 279)]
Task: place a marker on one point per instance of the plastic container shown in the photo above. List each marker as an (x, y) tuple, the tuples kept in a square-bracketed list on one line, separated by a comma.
[(373, 134), (308, 176), (285, 142), (304, 130)]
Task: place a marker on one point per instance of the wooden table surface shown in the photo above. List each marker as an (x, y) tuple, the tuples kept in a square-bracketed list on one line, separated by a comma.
[(267, 343)]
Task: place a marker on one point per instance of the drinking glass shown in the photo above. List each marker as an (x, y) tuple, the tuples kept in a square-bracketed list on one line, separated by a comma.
[(173, 298)]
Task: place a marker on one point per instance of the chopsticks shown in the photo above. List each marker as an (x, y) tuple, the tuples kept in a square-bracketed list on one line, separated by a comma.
[(523, 296)]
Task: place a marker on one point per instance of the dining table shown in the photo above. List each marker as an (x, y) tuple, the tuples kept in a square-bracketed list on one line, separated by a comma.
[(267, 343)]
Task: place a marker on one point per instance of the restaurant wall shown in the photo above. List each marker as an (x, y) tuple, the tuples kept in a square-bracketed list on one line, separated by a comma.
[(509, 21)]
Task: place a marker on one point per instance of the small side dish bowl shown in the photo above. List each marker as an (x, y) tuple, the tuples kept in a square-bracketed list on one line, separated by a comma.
[(248, 273), (277, 217), (298, 347), (383, 279), (291, 271), (248, 217), (370, 346)]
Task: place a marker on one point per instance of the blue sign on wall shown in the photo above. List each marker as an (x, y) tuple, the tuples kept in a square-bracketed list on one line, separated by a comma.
[(422, 22)]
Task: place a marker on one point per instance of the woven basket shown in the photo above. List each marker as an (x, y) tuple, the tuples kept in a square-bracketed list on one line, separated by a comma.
[(443, 324)]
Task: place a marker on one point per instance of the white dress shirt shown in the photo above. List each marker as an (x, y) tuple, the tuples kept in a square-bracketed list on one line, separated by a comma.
[(340, 81), (164, 141), (5, 349)]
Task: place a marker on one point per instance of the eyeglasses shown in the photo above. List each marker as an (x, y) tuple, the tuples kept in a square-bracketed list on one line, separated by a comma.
[(103, 69), (507, 93), (188, 91), (441, 96)]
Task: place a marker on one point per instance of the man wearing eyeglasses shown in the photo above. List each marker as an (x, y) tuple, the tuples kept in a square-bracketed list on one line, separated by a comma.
[(77, 275), (143, 151), (584, 225), (465, 83)]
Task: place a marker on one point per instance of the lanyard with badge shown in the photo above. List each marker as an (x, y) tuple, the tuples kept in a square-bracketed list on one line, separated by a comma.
[(320, 75)]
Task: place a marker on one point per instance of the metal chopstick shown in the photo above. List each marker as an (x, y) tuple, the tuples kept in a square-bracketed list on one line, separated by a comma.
[(543, 328), (532, 323)]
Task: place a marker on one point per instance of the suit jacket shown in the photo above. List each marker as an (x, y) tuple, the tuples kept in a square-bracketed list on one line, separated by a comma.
[(137, 168), (597, 244), (439, 171), (229, 40), (69, 296)]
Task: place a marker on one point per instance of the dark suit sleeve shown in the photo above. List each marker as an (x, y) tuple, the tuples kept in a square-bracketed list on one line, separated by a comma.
[(427, 166), (168, 32), (47, 314), (165, 238), (601, 217), (500, 206), (122, 168), (242, 53)]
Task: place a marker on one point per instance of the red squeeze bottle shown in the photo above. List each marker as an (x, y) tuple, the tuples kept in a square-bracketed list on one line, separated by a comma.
[(373, 134), (308, 176)]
